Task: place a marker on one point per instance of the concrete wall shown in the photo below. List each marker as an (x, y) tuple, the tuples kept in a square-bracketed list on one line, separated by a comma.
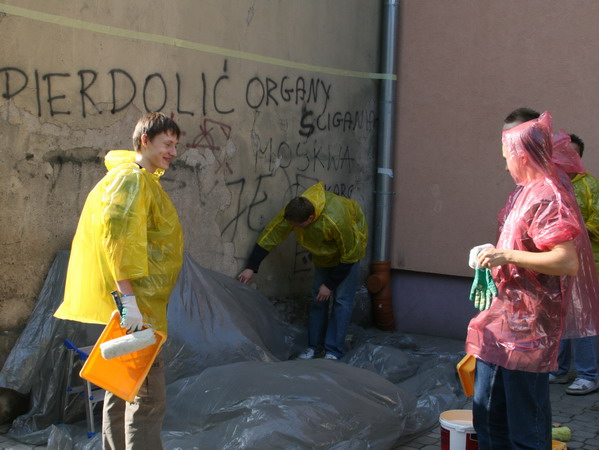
[(463, 66), (261, 90)]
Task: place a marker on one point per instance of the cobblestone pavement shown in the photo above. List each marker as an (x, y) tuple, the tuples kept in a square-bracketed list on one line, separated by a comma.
[(579, 412)]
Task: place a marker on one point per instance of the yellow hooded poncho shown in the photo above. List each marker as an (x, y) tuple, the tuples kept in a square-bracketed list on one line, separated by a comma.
[(586, 188), (128, 229), (338, 234)]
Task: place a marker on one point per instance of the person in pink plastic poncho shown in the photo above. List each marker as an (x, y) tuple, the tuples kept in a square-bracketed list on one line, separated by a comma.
[(516, 340), (582, 314)]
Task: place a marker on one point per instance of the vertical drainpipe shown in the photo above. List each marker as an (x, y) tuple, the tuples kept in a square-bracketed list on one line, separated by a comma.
[(379, 282)]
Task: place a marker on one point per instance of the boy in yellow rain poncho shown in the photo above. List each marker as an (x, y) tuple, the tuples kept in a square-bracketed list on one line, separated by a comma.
[(333, 229), (129, 239)]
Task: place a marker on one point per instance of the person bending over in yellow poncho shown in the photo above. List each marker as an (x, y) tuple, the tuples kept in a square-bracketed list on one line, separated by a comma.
[(333, 229), (129, 239)]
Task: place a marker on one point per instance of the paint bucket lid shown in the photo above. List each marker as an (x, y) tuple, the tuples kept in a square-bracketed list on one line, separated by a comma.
[(457, 431), (457, 419)]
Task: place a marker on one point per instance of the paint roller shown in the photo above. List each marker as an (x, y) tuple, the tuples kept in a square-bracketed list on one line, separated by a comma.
[(133, 342)]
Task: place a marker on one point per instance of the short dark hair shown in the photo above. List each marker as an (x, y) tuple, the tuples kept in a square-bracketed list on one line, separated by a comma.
[(576, 140), (521, 115), (152, 124), (298, 210)]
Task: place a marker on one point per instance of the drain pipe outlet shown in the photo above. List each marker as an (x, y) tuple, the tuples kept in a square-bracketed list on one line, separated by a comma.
[(379, 285)]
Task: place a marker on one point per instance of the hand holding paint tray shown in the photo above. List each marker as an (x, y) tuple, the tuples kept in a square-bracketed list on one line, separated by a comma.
[(121, 375)]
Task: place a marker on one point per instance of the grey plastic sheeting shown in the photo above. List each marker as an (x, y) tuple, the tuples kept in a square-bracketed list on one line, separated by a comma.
[(229, 382)]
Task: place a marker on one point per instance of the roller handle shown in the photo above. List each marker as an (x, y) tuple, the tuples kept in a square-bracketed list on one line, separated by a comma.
[(116, 296)]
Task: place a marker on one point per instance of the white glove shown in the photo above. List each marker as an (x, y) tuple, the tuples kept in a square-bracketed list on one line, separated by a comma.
[(473, 259), (131, 317)]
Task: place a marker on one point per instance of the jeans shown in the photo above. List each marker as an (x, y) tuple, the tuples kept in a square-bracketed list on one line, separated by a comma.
[(585, 357), (511, 408), (325, 331)]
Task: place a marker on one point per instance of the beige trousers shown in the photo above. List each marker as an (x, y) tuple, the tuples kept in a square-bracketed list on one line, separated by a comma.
[(136, 425)]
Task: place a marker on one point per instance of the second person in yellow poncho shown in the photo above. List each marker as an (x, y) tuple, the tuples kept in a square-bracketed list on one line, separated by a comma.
[(334, 230)]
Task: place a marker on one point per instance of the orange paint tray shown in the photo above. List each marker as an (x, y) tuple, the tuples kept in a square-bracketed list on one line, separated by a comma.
[(466, 368), (123, 375)]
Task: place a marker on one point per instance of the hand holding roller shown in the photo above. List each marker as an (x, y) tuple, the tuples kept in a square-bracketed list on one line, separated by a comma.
[(132, 320), (131, 317)]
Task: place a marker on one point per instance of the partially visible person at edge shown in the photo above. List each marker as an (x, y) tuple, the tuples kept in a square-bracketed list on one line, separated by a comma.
[(516, 340), (129, 239), (586, 190), (334, 230)]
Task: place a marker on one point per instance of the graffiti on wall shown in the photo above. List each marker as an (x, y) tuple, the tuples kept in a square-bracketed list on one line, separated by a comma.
[(79, 93), (305, 156), (54, 91), (214, 136), (318, 143)]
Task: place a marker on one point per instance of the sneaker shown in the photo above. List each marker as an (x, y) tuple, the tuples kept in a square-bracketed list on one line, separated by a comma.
[(330, 356), (308, 353), (582, 387), (559, 379)]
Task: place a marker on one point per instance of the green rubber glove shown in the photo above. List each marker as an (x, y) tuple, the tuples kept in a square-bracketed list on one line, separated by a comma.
[(483, 289)]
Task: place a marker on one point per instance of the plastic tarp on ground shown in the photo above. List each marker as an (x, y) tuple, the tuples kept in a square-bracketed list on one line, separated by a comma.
[(229, 382)]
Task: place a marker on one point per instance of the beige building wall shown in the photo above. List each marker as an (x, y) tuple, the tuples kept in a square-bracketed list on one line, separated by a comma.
[(271, 96), (463, 66)]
